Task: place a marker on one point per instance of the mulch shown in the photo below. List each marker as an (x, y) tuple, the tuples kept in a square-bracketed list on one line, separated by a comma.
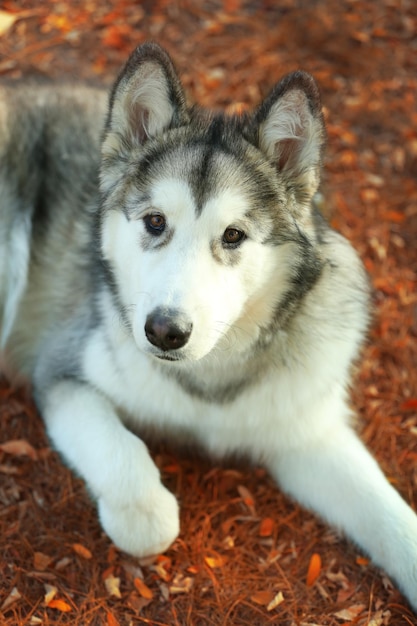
[(246, 553)]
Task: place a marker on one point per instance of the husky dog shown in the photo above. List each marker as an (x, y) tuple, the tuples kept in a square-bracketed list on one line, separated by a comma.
[(166, 268)]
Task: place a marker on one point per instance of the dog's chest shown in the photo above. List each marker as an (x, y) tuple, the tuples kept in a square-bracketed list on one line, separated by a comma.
[(251, 423)]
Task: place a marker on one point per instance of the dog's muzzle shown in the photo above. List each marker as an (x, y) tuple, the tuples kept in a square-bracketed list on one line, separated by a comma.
[(167, 329)]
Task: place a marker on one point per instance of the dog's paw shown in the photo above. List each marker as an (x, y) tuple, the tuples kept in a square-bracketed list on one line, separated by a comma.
[(143, 527)]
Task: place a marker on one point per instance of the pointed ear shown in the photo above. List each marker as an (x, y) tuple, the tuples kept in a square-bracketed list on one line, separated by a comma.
[(291, 132), (146, 99)]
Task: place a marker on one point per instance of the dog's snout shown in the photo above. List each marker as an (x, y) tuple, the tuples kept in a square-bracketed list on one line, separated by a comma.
[(167, 329)]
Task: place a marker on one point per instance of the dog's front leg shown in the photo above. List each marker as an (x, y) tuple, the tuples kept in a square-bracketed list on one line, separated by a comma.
[(335, 475), (136, 510)]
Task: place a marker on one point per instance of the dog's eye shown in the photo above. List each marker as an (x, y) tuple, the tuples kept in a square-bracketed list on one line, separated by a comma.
[(155, 224), (232, 237)]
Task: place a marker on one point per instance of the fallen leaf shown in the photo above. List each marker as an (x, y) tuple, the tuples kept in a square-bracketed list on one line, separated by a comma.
[(263, 597), (62, 563), (143, 589), (137, 603), (59, 605), (82, 551), (276, 601), (181, 584), (19, 447), (6, 21), (50, 593), (350, 613), (217, 560), (247, 498), (111, 620), (162, 567), (314, 569), (41, 561), (266, 527), (409, 404), (13, 597), (112, 584)]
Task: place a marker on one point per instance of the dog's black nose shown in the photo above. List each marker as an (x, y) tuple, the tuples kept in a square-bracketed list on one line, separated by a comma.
[(167, 329)]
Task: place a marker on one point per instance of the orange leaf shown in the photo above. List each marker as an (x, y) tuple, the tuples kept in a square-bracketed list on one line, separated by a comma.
[(82, 551), (215, 561), (60, 605), (19, 447), (409, 404), (314, 569), (266, 527), (111, 620), (263, 597), (143, 589), (362, 560)]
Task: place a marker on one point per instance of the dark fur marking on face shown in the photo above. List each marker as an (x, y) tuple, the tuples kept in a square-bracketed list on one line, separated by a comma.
[(223, 256), (149, 243)]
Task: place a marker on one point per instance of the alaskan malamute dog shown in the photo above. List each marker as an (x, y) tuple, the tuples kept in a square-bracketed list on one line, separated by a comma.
[(172, 272)]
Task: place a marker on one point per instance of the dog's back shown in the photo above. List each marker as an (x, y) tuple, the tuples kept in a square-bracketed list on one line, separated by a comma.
[(49, 152)]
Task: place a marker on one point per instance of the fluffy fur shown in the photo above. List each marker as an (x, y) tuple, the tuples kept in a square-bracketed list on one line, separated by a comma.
[(166, 268)]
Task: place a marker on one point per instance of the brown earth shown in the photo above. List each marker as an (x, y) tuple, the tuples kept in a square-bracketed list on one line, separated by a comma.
[(242, 543)]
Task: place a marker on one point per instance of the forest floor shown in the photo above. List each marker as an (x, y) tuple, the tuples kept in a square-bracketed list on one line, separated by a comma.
[(246, 554)]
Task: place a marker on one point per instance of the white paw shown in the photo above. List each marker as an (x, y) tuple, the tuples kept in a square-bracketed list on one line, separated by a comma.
[(143, 527)]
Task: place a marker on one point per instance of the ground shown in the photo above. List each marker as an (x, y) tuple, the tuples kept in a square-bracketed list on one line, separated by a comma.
[(246, 554)]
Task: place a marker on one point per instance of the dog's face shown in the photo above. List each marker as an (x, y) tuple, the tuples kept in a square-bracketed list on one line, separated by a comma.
[(202, 214)]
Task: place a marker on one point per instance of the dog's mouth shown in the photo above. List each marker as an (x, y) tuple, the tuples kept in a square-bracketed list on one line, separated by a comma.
[(167, 356)]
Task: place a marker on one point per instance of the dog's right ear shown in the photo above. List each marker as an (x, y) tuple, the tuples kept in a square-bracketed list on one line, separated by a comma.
[(147, 99)]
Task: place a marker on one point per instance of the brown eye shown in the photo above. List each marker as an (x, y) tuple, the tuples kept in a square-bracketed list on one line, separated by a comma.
[(155, 224), (232, 237)]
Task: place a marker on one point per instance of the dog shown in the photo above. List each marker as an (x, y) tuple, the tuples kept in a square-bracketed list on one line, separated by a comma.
[(165, 268)]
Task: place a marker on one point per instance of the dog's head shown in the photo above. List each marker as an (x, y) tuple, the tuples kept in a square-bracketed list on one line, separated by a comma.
[(204, 215)]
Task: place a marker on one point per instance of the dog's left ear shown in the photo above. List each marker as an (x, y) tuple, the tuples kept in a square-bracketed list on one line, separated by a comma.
[(146, 99), (291, 132)]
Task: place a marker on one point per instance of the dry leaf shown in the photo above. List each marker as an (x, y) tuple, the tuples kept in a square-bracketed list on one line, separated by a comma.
[(266, 527), (112, 584), (62, 563), (111, 620), (13, 597), (350, 613), (217, 560), (143, 589), (262, 597), (19, 447), (50, 593), (82, 551), (181, 584), (59, 605), (41, 561), (314, 569), (162, 567), (6, 21), (137, 603), (247, 498), (276, 601)]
